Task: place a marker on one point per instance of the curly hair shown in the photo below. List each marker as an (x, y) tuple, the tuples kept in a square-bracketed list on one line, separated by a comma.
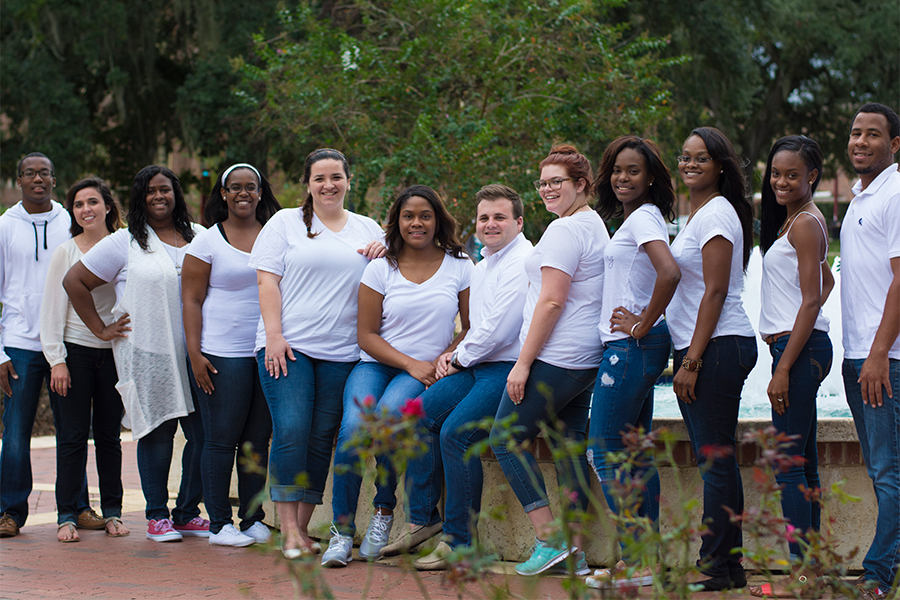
[(114, 214), (445, 225), (662, 194), (311, 159), (773, 214), (216, 209), (731, 183), (137, 206)]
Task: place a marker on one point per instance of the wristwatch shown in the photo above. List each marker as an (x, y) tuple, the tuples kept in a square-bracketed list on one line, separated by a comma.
[(454, 361), (691, 365)]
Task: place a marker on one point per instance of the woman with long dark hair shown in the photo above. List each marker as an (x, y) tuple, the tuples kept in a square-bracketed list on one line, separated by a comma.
[(221, 313), (639, 279), (308, 263), (407, 306), (82, 370), (795, 283), (553, 377), (714, 341), (144, 262)]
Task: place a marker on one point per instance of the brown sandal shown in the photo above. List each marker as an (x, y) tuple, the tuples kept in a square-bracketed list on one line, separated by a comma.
[(73, 533), (118, 528)]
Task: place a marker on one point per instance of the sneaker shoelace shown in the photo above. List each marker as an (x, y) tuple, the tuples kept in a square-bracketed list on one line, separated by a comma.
[(379, 528), (338, 540)]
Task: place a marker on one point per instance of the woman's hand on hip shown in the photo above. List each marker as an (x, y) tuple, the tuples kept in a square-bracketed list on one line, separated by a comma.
[(118, 328), (277, 353)]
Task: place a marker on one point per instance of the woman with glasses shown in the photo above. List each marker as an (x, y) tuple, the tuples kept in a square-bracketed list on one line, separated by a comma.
[(639, 280), (221, 313), (714, 341), (145, 263), (82, 369), (308, 262), (552, 380)]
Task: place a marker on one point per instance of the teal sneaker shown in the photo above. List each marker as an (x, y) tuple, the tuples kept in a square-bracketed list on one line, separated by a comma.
[(576, 561), (543, 556)]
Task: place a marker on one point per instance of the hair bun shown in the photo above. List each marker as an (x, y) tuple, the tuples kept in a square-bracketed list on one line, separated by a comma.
[(563, 149)]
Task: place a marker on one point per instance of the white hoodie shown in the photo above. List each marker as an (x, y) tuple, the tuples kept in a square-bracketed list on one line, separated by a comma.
[(26, 244)]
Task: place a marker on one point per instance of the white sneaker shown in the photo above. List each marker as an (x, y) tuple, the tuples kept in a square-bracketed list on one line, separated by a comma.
[(376, 536), (230, 536), (259, 532), (340, 550)]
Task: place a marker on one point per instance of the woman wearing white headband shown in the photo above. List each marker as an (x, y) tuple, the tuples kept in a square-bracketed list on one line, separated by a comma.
[(221, 312)]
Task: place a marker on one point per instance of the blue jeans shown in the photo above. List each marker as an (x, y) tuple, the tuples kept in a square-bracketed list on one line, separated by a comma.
[(623, 397), (235, 414), (154, 455), (879, 437), (554, 396), (18, 422), (812, 365), (92, 400), (711, 420), (306, 409), (450, 405), (391, 388)]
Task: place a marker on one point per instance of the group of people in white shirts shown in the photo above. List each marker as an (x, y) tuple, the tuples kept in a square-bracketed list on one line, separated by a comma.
[(290, 323)]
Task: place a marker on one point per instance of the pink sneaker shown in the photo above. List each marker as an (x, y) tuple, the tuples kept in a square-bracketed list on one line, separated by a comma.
[(196, 527), (162, 531)]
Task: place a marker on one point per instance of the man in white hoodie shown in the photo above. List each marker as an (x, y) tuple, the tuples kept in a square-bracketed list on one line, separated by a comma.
[(29, 232)]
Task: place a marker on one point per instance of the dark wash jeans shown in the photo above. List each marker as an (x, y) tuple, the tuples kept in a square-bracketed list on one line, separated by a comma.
[(811, 367), (711, 421), (18, 422), (92, 400), (234, 415)]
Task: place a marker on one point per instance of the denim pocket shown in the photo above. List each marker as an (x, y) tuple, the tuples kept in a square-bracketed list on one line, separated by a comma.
[(746, 351)]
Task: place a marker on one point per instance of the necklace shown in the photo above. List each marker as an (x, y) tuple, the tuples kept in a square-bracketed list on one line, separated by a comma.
[(790, 219), (702, 204)]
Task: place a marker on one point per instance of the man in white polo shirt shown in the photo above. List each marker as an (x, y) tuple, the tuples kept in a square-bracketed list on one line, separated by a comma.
[(870, 306)]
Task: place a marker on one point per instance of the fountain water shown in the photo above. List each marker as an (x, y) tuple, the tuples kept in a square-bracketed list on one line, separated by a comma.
[(754, 402)]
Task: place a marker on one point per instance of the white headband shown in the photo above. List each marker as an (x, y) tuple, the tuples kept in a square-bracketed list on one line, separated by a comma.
[(238, 166)]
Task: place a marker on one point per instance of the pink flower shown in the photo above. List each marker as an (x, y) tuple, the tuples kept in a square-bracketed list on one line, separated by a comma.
[(789, 536), (413, 409)]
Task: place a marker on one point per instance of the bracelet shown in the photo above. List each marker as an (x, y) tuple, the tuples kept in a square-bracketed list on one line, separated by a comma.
[(691, 365), (635, 326)]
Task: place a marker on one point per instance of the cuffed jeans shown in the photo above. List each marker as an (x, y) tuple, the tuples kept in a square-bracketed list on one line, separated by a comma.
[(799, 419), (451, 405), (18, 422), (552, 395), (234, 415), (711, 421), (154, 455), (306, 410), (92, 399), (391, 388), (879, 437), (623, 397)]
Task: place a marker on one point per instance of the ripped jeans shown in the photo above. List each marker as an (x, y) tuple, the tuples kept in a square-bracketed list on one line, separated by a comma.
[(623, 397)]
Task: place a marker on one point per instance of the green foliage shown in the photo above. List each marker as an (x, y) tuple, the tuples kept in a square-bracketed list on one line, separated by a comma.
[(451, 94)]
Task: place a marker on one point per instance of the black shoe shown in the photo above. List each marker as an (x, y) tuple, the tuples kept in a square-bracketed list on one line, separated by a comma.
[(716, 584), (738, 577)]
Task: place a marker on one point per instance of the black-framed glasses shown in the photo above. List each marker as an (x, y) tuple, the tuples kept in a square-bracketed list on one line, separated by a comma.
[(700, 160), (553, 184), (250, 188), (31, 173)]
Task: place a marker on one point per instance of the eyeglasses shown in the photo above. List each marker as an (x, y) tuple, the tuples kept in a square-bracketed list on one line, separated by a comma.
[(553, 184), (31, 173), (700, 160), (235, 188)]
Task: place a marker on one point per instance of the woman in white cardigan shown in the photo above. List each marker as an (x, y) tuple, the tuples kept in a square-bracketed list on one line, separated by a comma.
[(82, 370)]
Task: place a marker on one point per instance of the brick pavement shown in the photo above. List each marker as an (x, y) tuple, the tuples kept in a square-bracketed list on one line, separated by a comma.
[(34, 565)]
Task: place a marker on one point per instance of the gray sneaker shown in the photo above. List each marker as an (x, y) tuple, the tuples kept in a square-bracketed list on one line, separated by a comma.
[(576, 561), (340, 550), (376, 536)]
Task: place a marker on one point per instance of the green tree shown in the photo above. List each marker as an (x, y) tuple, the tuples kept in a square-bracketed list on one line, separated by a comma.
[(452, 94)]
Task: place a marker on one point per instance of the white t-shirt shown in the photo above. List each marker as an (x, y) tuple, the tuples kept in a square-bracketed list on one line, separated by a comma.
[(231, 309), (780, 295), (573, 245), (496, 299), (108, 259), (418, 319), (629, 276), (716, 218), (319, 281), (870, 238)]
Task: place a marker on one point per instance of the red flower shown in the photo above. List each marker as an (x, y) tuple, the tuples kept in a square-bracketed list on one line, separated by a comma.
[(413, 409), (715, 451)]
